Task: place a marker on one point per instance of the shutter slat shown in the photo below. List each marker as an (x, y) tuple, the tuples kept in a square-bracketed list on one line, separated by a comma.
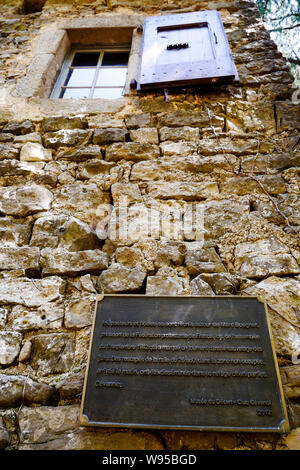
[(186, 48)]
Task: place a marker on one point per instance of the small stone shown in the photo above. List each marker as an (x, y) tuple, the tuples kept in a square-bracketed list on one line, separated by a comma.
[(6, 137), (25, 352), (19, 128), (14, 232), (34, 152), (109, 135), (200, 287), (3, 317), (181, 118), (130, 257), (126, 193), (71, 387), (52, 353), (79, 312), (4, 436), (221, 283), (10, 344), (170, 253), (119, 278), (203, 261), (61, 261), (8, 152)]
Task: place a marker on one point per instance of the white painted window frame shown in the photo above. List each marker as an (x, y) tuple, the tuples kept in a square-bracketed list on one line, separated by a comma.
[(57, 89)]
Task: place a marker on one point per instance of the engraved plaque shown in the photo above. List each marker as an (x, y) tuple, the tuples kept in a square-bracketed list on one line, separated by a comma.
[(195, 363)]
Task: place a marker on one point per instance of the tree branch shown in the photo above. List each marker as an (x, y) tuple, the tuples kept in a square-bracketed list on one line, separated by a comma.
[(285, 28)]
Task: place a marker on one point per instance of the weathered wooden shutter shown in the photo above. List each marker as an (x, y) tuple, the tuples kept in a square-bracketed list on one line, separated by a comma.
[(185, 49)]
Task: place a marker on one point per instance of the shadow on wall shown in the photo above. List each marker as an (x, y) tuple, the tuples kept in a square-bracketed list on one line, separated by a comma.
[(33, 6)]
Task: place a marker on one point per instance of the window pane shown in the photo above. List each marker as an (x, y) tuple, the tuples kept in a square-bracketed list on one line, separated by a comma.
[(80, 77), (113, 76), (108, 93), (84, 59), (115, 58), (79, 93)]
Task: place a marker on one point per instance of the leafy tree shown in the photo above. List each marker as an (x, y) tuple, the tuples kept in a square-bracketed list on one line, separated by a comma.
[(282, 18)]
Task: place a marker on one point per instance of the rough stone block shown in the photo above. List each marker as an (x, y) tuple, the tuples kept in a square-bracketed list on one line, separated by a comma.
[(48, 316), (288, 116), (183, 118), (62, 261), (182, 190), (181, 133), (53, 353), (63, 231), (10, 345), (20, 258), (53, 124), (145, 135), (19, 128), (34, 152), (203, 261), (31, 293), (181, 148), (109, 135), (170, 253), (79, 312), (200, 287), (273, 184), (282, 296), (80, 154), (126, 192), (119, 278), (221, 283), (8, 152), (136, 121), (21, 202), (17, 389), (14, 232), (66, 138), (133, 151), (277, 161), (32, 137)]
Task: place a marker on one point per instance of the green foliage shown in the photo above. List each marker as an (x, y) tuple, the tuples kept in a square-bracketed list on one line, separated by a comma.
[(282, 18)]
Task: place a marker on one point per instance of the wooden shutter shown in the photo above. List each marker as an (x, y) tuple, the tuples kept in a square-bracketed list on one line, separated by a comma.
[(183, 49)]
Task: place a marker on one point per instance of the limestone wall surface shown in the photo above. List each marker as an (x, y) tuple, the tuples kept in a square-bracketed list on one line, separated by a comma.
[(230, 152)]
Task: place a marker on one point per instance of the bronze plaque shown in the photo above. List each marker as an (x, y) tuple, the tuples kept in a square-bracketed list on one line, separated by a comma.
[(194, 363)]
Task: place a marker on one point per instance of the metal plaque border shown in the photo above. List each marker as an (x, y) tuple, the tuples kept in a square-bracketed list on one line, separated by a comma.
[(283, 428)]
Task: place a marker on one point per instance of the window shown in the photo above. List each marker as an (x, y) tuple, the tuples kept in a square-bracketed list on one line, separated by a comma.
[(93, 73)]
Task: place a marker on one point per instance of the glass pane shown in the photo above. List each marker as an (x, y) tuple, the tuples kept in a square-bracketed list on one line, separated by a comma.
[(113, 76), (108, 93), (115, 58), (84, 59), (79, 93), (80, 77)]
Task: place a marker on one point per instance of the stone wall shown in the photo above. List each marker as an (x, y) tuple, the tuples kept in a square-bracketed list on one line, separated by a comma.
[(231, 151)]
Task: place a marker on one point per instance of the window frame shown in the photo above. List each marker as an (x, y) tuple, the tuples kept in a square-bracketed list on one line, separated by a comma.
[(59, 85)]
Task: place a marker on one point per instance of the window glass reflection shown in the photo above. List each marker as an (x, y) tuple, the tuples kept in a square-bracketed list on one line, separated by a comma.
[(80, 77), (113, 76)]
